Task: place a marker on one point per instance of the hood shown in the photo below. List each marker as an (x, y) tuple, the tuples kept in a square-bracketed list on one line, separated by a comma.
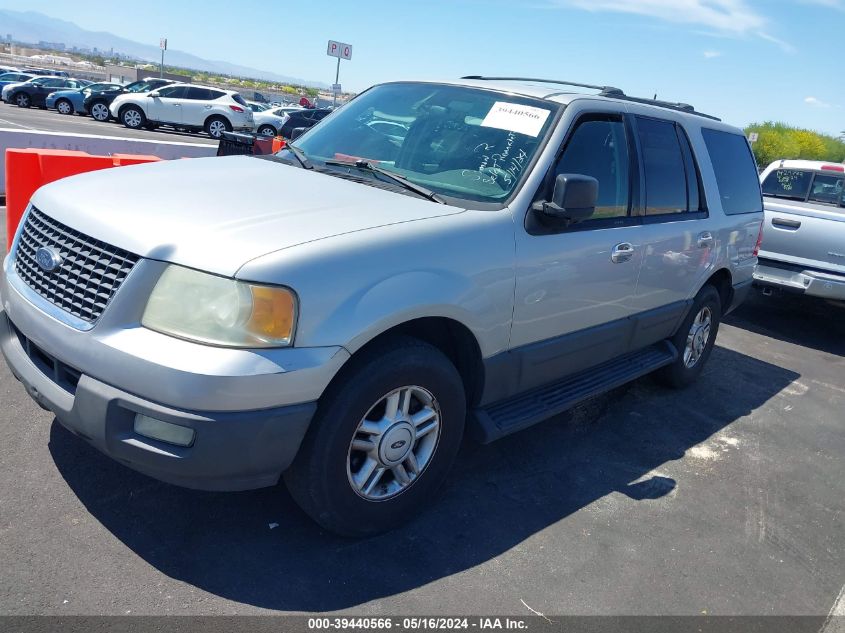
[(216, 214)]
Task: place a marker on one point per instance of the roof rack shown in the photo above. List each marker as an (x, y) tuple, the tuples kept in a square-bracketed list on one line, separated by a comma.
[(604, 91)]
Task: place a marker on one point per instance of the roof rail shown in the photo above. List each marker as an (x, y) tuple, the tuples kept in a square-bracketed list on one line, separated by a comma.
[(604, 91), (546, 81)]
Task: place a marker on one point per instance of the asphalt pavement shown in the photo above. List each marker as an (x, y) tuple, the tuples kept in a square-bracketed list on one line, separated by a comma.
[(14, 117), (723, 499)]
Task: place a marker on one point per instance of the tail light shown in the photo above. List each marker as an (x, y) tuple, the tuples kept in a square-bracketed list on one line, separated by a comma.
[(759, 241), (840, 168), (236, 108)]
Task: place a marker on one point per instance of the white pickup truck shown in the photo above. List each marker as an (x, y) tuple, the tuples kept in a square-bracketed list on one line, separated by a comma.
[(803, 247)]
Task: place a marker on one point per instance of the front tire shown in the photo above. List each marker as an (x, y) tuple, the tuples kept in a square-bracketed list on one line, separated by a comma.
[(63, 106), (383, 440), (694, 340), (216, 125), (100, 111), (266, 130), (133, 117), (22, 100)]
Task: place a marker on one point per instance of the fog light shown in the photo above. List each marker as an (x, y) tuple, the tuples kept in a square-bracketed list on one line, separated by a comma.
[(163, 431)]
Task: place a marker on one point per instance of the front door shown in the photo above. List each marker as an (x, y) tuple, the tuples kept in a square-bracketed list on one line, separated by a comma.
[(166, 107), (575, 286)]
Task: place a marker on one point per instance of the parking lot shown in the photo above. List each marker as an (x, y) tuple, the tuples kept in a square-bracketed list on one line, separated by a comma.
[(13, 117), (726, 498)]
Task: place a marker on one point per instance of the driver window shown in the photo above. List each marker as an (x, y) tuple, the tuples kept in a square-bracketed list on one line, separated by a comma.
[(599, 148)]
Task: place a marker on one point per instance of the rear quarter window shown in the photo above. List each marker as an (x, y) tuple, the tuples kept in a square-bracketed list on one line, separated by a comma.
[(736, 172)]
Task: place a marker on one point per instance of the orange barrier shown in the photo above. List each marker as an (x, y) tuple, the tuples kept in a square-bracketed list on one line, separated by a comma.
[(29, 169)]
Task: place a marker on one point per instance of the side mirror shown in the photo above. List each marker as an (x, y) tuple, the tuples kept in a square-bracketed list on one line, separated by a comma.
[(573, 200), (297, 132), (154, 95)]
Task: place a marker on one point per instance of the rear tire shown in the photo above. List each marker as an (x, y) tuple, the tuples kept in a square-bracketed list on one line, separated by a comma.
[(216, 125), (63, 106), (133, 117), (694, 340), (383, 440)]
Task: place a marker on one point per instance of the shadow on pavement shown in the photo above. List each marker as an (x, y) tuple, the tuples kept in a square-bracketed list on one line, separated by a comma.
[(804, 321), (498, 496)]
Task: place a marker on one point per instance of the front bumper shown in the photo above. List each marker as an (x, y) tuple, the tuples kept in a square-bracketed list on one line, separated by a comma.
[(249, 409), (231, 450), (794, 279)]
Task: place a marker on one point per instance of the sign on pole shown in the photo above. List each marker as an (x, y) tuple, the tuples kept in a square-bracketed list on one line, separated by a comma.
[(339, 50), (336, 89), (162, 43), (752, 137)]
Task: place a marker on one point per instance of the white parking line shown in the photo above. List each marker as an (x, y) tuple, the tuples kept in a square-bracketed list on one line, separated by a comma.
[(26, 127), (835, 622)]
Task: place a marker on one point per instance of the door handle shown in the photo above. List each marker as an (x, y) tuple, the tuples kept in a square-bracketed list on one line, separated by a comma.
[(705, 240), (622, 253), (177, 105), (783, 223)]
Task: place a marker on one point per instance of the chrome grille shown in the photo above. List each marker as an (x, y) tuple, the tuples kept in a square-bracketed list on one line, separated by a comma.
[(89, 275)]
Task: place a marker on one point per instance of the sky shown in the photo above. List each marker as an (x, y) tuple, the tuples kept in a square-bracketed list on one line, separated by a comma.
[(742, 60)]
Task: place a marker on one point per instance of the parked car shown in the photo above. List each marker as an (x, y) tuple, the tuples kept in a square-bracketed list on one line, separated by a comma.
[(8, 69), (257, 107), (304, 118), (14, 78), (34, 92), (72, 101), (46, 72), (803, 248), (519, 249), (269, 122), (97, 103), (185, 106)]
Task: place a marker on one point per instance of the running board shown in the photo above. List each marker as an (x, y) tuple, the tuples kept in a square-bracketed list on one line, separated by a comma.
[(515, 414)]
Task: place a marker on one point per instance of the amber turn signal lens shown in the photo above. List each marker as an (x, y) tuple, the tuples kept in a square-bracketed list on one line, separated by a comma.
[(273, 313)]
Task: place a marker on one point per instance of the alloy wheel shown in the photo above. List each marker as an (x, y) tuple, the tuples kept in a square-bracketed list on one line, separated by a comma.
[(100, 112), (698, 337), (394, 443)]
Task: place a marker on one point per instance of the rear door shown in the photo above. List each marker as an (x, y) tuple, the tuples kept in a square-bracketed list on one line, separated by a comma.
[(680, 246), (805, 217), (196, 105)]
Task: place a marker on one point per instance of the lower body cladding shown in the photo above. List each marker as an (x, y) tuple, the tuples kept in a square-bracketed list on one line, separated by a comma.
[(799, 279)]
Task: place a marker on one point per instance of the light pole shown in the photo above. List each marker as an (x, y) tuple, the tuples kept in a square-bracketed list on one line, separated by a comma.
[(162, 44)]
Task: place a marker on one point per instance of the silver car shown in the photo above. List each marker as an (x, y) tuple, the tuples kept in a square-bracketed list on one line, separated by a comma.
[(803, 250), (455, 257)]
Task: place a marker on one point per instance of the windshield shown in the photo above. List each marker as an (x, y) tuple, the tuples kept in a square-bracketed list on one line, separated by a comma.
[(462, 142)]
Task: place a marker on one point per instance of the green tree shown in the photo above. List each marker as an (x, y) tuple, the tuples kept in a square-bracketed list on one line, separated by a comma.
[(778, 141)]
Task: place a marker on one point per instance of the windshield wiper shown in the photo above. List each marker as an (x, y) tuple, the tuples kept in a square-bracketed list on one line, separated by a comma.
[(365, 165), (299, 155)]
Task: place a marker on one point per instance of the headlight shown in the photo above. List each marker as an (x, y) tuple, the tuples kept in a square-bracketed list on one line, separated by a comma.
[(219, 311)]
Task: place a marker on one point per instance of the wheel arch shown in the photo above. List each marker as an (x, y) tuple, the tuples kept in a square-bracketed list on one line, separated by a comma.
[(722, 281), (453, 338)]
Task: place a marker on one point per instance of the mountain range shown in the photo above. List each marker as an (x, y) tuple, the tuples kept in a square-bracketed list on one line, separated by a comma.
[(30, 26)]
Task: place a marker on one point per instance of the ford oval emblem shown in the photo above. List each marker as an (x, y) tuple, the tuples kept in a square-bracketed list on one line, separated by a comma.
[(398, 444), (48, 259)]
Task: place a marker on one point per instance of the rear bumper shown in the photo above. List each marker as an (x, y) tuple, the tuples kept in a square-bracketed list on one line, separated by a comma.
[(232, 450), (808, 282)]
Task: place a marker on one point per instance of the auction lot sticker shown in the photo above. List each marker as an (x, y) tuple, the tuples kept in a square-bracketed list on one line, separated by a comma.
[(513, 117)]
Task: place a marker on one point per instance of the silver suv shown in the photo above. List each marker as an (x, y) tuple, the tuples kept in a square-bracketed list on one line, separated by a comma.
[(437, 259)]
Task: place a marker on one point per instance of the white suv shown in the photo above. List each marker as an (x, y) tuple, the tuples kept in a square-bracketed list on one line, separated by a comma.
[(184, 106)]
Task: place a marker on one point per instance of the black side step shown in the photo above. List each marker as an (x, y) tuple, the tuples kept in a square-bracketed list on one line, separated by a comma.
[(515, 414)]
